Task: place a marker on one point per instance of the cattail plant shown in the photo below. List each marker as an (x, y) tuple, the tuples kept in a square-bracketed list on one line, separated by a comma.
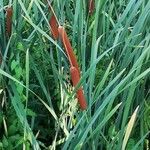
[(74, 70), (57, 31)]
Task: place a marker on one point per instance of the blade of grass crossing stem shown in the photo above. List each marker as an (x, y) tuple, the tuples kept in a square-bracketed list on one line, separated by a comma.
[(129, 128)]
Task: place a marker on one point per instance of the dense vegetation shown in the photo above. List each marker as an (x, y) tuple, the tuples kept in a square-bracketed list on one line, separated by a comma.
[(38, 105)]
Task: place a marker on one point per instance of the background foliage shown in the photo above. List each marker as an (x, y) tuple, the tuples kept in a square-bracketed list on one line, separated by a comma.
[(38, 107)]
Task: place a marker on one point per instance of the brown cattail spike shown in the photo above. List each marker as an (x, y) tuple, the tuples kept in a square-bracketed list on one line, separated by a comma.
[(68, 48), (9, 13), (75, 77), (54, 27)]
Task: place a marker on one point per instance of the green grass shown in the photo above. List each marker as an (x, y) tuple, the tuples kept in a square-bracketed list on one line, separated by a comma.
[(38, 107)]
